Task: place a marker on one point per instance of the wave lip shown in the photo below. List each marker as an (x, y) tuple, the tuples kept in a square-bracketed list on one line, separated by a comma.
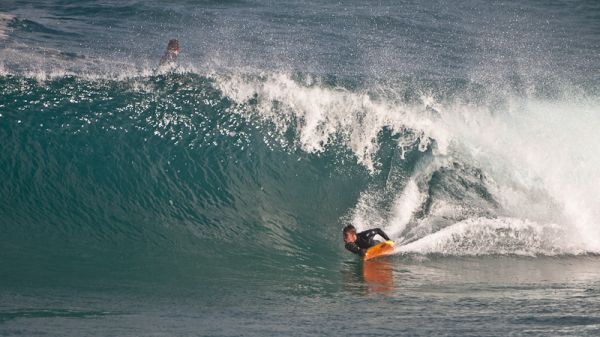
[(322, 114)]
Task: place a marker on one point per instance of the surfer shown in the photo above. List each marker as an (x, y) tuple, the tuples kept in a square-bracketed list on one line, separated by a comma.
[(359, 243), (171, 53)]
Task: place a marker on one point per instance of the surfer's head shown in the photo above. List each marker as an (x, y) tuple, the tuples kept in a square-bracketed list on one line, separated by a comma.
[(349, 233), (173, 46)]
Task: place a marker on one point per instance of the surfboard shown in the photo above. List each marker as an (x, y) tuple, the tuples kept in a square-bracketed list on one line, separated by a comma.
[(380, 249)]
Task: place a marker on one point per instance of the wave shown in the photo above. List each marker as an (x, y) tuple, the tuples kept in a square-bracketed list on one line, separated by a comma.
[(270, 159)]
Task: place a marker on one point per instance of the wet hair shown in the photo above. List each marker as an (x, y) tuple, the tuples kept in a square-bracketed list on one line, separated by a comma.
[(173, 44), (348, 229)]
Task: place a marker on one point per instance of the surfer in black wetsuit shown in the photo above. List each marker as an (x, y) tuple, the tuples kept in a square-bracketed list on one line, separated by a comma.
[(359, 243), (170, 56)]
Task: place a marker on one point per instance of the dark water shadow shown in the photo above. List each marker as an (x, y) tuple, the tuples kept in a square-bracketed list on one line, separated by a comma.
[(6, 316)]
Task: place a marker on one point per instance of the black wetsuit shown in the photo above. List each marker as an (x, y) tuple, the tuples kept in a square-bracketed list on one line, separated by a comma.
[(169, 58), (365, 240)]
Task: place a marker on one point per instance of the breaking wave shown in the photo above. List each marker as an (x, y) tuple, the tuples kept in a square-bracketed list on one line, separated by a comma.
[(269, 159)]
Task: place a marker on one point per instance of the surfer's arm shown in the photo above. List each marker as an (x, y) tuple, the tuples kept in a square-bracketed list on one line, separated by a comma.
[(353, 247), (382, 234), (372, 232)]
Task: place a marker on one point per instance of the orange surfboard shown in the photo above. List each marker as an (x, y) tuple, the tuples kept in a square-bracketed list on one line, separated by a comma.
[(380, 249)]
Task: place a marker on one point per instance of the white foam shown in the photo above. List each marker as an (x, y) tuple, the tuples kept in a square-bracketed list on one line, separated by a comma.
[(544, 157), (482, 236), (409, 201)]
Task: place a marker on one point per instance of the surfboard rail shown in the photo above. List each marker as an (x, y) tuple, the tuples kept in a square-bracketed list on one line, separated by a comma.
[(380, 249)]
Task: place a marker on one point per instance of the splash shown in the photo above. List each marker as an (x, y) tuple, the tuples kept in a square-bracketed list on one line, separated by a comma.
[(503, 236)]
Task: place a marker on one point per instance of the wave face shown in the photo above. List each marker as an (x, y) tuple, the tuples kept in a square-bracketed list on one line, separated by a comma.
[(163, 163), (181, 160), (458, 135)]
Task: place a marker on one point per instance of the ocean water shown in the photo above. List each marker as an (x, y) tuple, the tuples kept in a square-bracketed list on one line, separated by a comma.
[(207, 199)]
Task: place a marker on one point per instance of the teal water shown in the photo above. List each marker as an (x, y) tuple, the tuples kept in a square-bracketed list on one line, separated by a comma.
[(472, 296), (208, 199)]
